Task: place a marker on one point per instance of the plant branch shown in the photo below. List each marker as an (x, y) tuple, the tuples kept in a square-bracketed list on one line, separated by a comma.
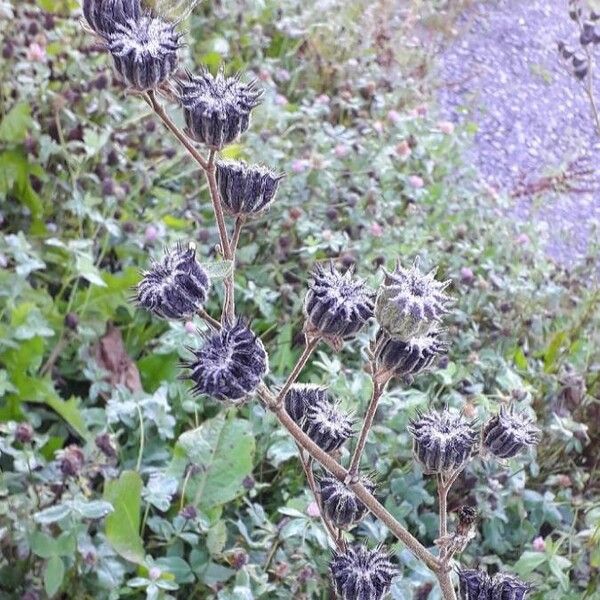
[(378, 389), (311, 344)]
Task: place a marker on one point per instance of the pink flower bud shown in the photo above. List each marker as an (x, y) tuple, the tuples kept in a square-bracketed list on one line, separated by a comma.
[(264, 75), (522, 239), (313, 510), (281, 100), (416, 181), (466, 275), (322, 99), (327, 235), (376, 230), (154, 573), (151, 234), (539, 545), (378, 126), (36, 53), (421, 110), (403, 149), (446, 127), (190, 327), (394, 116), (299, 165), (341, 150)]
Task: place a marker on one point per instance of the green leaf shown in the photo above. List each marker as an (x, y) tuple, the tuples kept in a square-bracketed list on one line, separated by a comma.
[(528, 562), (218, 269), (43, 545), (123, 525), (15, 124), (216, 538), (157, 368), (223, 450), (553, 350), (53, 514), (53, 575)]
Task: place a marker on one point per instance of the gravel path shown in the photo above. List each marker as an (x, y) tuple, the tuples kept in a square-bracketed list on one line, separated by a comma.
[(503, 73)]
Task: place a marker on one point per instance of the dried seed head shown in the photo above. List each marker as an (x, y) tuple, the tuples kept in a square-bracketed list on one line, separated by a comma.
[(231, 363), (508, 587), (175, 287), (217, 109), (340, 503), (361, 574), (144, 51), (473, 584), (336, 306), (565, 51), (508, 433), (302, 395), (410, 302), (442, 441), (588, 33), (246, 190), (326, 425), (407, 358), (104, 15), (24, 433), (71, 460), (467, 515)]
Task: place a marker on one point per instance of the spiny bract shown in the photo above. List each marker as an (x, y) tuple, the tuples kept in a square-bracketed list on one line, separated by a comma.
[(442, 441), (231, 363), (103, 15), (508, 587), (326, 425), (508, 433), (340, 504), (410, 302), (336, 305), (473, 584), (144, 51), (217, 109), (302, 395), (361, 574), (246, 191), (174, 287)]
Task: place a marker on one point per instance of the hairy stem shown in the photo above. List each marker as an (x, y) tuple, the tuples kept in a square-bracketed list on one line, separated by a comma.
[(311, 344), (366, 427), (442, 489), (445, 580)]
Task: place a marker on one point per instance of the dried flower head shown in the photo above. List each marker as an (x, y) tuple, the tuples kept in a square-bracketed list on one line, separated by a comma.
[(508, 587), (442, 441), (508, 433), (144, 51), (103, 15), (336, 305), (246, 191), (231, 363), (326, 425), (403, 359), (361, 574), (302, 395), (217, 109), (473, 584), (175, 287), (340, 503), (467, 516), (71, 460), (409, 302)]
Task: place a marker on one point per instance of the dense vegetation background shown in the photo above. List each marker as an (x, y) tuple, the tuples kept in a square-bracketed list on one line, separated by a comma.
[(213, 503)]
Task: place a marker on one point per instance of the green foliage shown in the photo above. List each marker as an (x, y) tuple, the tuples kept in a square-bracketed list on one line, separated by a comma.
[(91, 189)]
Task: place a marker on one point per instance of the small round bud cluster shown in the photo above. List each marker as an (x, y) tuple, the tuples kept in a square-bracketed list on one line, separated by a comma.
[(340, 504), (230, 365), (71, 460), (337, 305), (508, 433), (175, 287), (477, 585), (24, 433), (103, 15), (577, 60), (217, 109), (358, 573), (405, 359), (442, 441), (410, 303), (314, 411), (246, 191), (144, 51), (105, 444)]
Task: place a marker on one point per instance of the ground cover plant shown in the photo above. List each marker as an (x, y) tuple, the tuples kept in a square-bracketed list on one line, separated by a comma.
[(116, 480)]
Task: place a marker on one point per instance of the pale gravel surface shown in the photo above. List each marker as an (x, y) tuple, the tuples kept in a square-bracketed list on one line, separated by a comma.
[(502, 72)]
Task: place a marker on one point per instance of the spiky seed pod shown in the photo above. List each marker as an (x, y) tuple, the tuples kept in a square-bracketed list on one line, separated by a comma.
[(565, 51), (144, 51), (336, 305), (442, 441), (410, 302), (407, 358), (244, 190), (508, 587), (103, 15), (473, 584), (508, 433), (361, 574), (230, 365), (467, 515), (326, 425), (217, 109), (175, 287), (588, 33), (302, 395), (340, 503)]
